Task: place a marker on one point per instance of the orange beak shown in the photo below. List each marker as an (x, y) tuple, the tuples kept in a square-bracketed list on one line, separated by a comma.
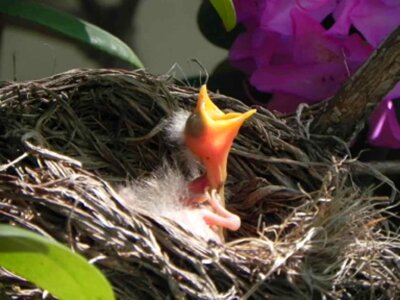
[(209, 134)]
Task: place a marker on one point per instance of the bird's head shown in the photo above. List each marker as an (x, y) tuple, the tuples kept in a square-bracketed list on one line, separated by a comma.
[(209, 134)]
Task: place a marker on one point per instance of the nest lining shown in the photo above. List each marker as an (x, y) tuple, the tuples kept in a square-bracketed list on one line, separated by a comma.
[(309, 230)]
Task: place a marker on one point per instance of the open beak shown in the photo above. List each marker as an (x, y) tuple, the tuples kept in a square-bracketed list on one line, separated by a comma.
[(209, 134)]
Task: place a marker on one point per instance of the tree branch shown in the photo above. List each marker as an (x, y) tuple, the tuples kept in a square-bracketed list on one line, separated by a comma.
[(346, 113)]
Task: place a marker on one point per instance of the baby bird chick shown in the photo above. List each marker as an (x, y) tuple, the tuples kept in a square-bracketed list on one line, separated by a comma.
[(167, 193), (197, 205), (209, 134)]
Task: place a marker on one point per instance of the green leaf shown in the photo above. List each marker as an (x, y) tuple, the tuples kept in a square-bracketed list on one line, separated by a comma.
[(213, 30), (51, 266), (70, 26), (226, 11)]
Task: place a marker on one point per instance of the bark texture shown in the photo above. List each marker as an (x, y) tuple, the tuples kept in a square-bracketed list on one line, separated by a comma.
[(346, 113)]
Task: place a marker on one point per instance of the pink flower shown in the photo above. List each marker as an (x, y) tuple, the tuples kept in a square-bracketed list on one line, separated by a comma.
[(375, 19), (277, 13), (248, 11), (384, 123), (285, 103), (315, 63), (288, 52)]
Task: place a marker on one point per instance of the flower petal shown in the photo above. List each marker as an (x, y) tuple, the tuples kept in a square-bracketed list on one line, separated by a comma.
[(313, 82), (241, 53), (311, 45), (375, 19), (248, 11), (276, 15), (384, 124), (285, 103), (342, 17)]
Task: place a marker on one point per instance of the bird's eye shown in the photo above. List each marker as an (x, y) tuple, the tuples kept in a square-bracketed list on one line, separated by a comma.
[(194, 126)]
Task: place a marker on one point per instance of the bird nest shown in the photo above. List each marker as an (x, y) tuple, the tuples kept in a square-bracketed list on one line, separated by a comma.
[(310, 229)]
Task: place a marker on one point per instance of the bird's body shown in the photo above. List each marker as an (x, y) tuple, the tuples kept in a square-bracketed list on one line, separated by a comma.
[(167, 193), (196, 202)]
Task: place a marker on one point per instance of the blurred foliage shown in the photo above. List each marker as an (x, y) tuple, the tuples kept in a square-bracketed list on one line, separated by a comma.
[(226, 12), (213, 30), (70, 26), (51, 266)]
